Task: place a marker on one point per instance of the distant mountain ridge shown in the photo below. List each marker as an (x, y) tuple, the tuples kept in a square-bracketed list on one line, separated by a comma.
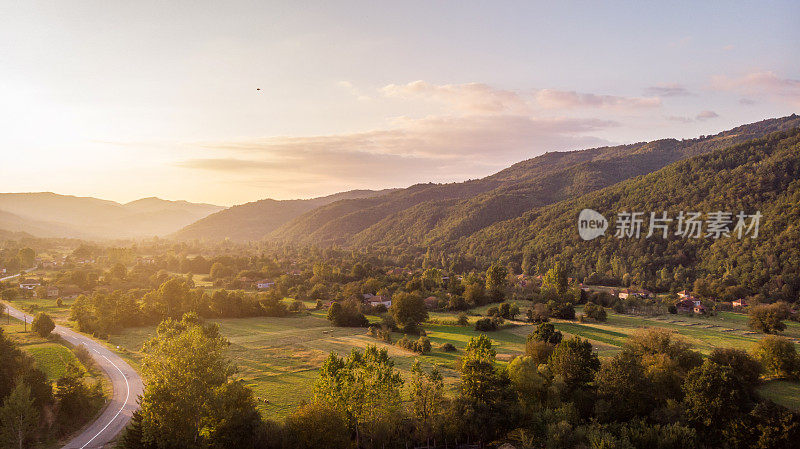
[(256, 220), (442, 215), (48, 214)]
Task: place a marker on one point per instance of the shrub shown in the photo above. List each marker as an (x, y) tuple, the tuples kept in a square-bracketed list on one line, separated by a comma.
[(448, 347), (421, 345), (565, 311), (485, 325), (595, 311), (463, 319), (43, 324), (297, 306)]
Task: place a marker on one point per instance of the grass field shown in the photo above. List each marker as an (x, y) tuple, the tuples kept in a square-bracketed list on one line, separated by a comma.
[(279, 357), (782, 392)]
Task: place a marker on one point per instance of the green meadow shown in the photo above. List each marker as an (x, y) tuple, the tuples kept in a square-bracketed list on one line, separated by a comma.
[(279, 357)]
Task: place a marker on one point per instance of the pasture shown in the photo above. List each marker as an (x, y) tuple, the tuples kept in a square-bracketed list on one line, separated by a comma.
[(279, 357)]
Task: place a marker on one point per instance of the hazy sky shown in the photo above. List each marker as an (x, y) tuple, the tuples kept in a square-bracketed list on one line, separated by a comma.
[(127, 99)]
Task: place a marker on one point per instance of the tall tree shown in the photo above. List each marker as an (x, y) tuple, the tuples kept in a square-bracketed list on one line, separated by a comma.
[(19, 418), (364, 386), (188, 397)]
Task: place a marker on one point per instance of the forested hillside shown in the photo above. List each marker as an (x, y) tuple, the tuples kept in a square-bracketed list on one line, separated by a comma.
[(760, 175), (441, 215), (253, 221)]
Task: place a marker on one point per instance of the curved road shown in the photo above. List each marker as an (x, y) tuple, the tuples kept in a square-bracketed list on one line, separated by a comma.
[(125, 380)]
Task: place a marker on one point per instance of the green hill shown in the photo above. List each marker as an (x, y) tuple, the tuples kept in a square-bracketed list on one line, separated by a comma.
[(442, 215)]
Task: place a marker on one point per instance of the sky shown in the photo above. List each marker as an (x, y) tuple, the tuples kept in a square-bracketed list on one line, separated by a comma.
[(235, 101)]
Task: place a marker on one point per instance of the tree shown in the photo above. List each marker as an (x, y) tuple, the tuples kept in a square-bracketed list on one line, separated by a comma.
[(623, 389), (778, 356), (767, 319), (485, 397), (547, 333), (27, 257), (496, 281), (42, 324), (575, 362), (554, 282), (408, 310), (187, 398), (315, 425), (75, 399), (364, 387), (19, 417), (667, 360), (746, 368), (712, 398), (475, 294), (594, 311), (427, 401)]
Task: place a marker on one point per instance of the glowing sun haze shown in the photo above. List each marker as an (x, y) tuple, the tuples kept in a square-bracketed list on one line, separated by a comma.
[(123, 100)]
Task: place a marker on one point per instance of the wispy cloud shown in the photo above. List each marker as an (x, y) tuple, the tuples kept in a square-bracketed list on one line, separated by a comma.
[(667, 90), (763, 84), (478, 98), (469, 97), (701, 116), (561, 99), (706, 115)]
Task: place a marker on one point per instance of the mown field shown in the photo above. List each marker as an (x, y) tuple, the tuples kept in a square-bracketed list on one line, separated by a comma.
[(279, 357)]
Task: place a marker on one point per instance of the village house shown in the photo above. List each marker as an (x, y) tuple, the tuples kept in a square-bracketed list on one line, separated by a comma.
[(52, 291), (379, 299), (431, 302), (27, 284), (690, 304), (264, 284), (685, 294), (739, 303)]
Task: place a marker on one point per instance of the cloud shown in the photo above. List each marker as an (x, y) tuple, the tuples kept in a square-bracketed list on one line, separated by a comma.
[(706, 115), (478, 98), (703, 115), (414, 150), (470, 97), (356, 92), (558, 99), (667, 90), (764, 84)]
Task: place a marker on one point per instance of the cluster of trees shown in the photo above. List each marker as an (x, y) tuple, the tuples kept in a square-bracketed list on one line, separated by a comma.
[(32, 408), (103, 313)]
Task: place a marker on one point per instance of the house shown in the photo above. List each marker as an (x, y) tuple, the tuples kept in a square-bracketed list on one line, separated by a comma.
[(379, 299), (52, 291), (684, 306), (431, 302), (685, 294), (739, 303), (26, 284), (264, 284), (690, 304)]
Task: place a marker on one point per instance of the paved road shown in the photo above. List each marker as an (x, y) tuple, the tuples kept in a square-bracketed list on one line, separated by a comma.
[(126, 383)]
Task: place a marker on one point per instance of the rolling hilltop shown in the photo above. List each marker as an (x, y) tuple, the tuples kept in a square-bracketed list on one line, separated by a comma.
[(442, 215), (46, 214), (256, 220)]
